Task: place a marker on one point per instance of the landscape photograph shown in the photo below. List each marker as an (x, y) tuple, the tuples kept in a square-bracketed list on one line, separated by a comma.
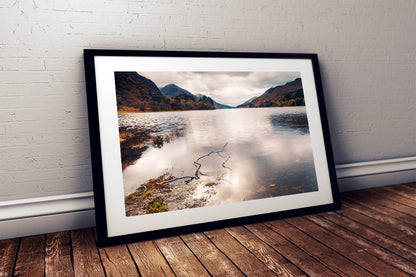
[(196, 139)]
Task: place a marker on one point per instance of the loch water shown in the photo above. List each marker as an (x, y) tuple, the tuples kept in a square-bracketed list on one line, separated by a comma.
[(255, 152)]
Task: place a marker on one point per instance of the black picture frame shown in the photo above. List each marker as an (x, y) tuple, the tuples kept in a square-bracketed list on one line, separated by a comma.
[(113, 225)]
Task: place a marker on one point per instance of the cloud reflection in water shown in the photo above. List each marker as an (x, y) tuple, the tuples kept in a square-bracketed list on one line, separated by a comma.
[(268, 157)]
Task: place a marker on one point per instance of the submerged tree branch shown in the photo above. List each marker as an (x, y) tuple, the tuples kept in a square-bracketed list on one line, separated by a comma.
[(223, 164), (198, 166)]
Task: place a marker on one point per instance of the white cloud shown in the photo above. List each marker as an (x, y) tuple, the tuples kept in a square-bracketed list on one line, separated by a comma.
[(230, 88)]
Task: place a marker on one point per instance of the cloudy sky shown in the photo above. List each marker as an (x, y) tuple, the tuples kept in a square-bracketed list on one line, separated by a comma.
[(229, 88)]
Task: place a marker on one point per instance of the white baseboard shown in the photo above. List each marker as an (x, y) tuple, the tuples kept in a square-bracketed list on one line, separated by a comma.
[(33, 216), (25, 217), (375, 167), (49, 205), (376, 180), (46, 224), (364, 175)]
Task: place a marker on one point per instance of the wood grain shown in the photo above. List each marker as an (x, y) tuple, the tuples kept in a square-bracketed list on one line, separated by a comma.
[(85, 254), (149, 259), (249, 264), (389, 243), (295, 255), (383, 200), (8, 254), (182, 261), (380, 206), (380, 226), (365, 245), (213, 260), (324, 254), (396, 196), (270, 257), (31, 257), (117, 261), (380, 215), (58, 255), (402, 190), (357, 255)]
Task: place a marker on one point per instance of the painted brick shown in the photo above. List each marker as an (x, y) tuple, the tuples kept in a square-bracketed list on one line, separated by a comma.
[(366, 51), (24, 77), (2, 129)]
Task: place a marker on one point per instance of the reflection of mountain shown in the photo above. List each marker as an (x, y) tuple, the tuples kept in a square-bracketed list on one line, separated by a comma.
[(290, 94), (294, 122), (136, 93)]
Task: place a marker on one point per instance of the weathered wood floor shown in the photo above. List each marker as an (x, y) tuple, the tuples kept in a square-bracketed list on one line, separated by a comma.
[(373, 234)]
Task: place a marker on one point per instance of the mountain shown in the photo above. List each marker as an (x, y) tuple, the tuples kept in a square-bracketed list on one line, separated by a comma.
[(222, 106), (136, 93), (289, 94), (173, 90), (216, 104), (250, 100)]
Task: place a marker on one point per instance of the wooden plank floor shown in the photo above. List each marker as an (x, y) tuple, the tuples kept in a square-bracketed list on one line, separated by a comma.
[(374, 234)]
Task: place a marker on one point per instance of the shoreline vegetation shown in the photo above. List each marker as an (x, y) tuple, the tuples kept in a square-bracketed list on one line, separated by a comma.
[(168, 192), (133, 142), (142, 199), (134, 110)]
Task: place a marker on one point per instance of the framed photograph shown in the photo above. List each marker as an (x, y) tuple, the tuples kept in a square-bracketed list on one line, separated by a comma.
[(190, 141)]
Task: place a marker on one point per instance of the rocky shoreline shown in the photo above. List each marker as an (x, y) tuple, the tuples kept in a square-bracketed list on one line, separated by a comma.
[(167, 194)]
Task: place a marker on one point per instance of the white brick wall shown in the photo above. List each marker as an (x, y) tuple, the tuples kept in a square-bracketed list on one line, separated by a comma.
[(366, 50)]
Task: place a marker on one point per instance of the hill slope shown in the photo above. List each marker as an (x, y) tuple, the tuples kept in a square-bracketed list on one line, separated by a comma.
[(173, 90), (136, 93), (290, 94)]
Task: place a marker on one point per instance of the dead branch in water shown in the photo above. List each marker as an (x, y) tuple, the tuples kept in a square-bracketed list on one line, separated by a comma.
[(199, 165), (223, 164)]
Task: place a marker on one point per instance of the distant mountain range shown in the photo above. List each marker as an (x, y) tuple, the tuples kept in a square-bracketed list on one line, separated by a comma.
[(173, 90), (289, 94), (136, 93)]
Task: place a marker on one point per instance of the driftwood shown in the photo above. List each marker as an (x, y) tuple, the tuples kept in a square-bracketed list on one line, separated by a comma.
[(198, 166)]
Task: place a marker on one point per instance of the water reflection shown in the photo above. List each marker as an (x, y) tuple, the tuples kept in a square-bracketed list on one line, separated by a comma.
[(262, 152), (292, 122)]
